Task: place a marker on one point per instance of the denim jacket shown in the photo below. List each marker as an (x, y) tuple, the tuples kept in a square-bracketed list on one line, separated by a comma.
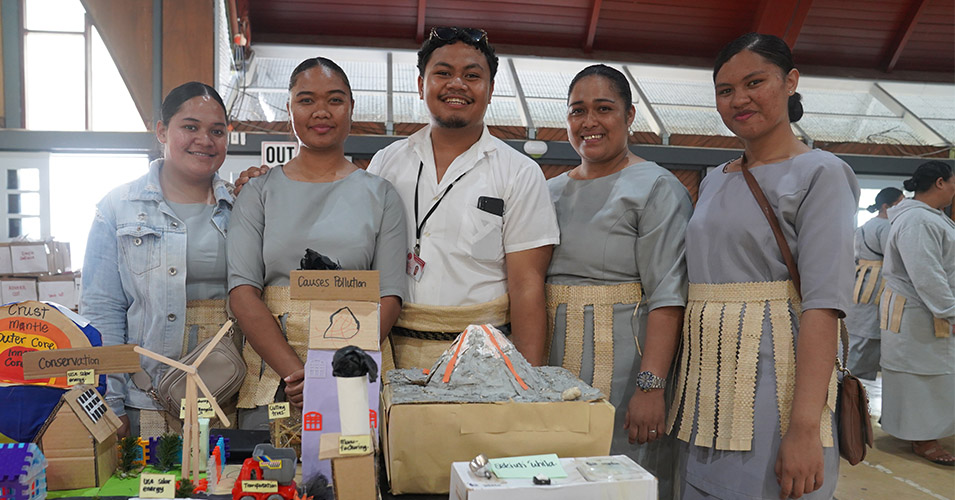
[(134, 276)]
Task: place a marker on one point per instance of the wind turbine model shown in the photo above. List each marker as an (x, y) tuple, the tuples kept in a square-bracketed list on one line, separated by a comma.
[(190, 428)]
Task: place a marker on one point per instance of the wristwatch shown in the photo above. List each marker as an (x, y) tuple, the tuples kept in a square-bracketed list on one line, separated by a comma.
[(647, 381)]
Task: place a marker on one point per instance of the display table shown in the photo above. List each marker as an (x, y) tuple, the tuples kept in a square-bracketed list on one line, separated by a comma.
[(636, 485)]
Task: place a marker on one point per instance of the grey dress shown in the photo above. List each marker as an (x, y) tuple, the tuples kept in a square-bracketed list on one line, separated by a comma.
[(357, 221), (626, 227), (918, 376), (728, 240), (862, 318)]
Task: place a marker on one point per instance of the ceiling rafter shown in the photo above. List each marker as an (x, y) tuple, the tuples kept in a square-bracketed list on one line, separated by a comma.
[(904, 33), (783, 18), (419, 29), (592, 26)]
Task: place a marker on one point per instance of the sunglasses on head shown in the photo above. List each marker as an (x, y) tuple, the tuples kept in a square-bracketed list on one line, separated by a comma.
[(449, 33)]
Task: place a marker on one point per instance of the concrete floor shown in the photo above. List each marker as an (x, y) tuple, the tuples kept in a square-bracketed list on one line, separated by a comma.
[(891, 471)]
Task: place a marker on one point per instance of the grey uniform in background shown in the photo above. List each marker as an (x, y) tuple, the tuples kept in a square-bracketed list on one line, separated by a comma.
[(623, 228), (918, 376), (815, 197), (862, 319), (357, 221)]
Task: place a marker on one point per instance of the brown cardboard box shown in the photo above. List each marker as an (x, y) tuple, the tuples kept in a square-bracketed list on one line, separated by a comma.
[(353, 476), (421, 440), (79, 441)]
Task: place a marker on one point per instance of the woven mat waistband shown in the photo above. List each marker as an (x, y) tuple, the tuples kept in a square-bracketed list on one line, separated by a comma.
[(430, 318), (743, 292), (872, 263), (623, 293)]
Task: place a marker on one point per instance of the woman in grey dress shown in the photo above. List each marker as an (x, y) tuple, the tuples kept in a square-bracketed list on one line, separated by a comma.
[(616, 285), (756, 423), (918, 314), (862, 318), (318, 200)]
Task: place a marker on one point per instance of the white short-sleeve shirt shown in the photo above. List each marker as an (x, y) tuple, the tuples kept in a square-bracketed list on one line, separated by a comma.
[(463, 246)]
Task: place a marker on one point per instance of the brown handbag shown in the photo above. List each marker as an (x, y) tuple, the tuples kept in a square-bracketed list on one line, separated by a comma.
[(852, 403)]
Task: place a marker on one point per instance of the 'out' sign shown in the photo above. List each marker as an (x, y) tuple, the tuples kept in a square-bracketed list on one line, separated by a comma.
[(278, 152)]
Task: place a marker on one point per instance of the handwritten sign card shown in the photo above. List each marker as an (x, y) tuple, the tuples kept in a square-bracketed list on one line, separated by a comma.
[(204, 406), (527, 467), (77, 377), (260, 486), (279, 410), (355, 445), (157, 486)]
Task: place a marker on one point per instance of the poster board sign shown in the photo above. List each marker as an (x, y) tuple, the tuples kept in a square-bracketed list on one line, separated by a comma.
[(56, 363), (34, 326), (335, 285)]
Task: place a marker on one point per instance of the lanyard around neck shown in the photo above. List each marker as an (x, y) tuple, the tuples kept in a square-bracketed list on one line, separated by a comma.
[(420, 226)]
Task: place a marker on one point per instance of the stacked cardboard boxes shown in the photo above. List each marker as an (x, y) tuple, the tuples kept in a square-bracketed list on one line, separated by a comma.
[(38, 270)]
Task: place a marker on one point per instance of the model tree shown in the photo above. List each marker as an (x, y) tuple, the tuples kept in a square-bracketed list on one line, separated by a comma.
[(128, 454), (167, 451)]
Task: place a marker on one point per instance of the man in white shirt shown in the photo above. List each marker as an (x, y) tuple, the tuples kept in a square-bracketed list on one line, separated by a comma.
[(484, 227)]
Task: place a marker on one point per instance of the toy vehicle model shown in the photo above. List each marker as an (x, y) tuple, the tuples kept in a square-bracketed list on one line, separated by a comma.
[(268, 463)]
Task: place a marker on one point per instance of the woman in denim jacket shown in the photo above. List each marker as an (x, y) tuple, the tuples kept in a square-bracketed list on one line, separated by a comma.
[(140, 268)]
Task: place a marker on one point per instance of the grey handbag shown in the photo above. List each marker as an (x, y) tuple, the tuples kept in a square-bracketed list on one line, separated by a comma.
[(222, 371)]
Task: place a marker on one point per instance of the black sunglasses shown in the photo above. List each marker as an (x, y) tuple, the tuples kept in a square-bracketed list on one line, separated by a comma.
[(450, 33)]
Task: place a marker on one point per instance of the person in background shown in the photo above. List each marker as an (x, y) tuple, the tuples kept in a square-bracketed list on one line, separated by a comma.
[(918, 315), (318, 200), (483, 228), (755, 395), (862, 318), (157, 243), (617, 280)]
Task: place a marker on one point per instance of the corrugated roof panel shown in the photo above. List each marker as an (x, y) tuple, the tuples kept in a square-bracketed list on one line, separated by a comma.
[(842, 102), (678, 92), (854, 129), (695, 121)]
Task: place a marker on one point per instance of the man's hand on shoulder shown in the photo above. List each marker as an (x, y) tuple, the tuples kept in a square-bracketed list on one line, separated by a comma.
[(248, 174)]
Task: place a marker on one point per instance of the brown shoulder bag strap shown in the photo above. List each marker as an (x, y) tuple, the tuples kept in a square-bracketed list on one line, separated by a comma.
[(787, 253), (774, 224)]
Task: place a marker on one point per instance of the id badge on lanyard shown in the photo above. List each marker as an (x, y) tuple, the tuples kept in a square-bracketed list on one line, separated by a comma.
[(415, 264)]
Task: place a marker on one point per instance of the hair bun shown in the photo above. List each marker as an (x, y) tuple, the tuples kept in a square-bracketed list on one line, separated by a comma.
[(873, 208), (910, 184), (795, 107)]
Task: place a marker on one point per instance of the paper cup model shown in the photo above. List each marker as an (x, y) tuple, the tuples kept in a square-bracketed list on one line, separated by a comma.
[(482, 396), (350, 367)]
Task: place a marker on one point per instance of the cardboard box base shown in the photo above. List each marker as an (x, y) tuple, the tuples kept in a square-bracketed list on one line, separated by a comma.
[(421, 440), (465, 486), (354, 477)]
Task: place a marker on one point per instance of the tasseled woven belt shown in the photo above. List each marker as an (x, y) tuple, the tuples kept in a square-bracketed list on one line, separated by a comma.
[(873, 268), (716, 381), (602, 298)]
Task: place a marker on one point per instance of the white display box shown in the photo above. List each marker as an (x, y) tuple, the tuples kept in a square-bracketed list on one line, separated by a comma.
[(17, 290), (6, 261), (639, 486), (60, 288)]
